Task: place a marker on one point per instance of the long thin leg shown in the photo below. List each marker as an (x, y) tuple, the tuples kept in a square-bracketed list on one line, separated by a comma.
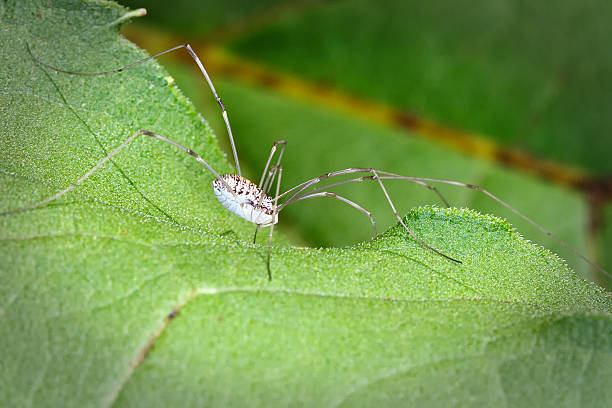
[(343, 199), (265, 189), (280, 156), (296, 190), (266, 182), (412, 234), (385, 175), (296, 197), (125, 68), (257, 227), (364, 178), (134, 13), (304, 186), (509, 207), (107, 158), (278, 181), (300, 188)]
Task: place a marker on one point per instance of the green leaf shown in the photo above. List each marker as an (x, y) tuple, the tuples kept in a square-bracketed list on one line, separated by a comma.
[(138, 288)]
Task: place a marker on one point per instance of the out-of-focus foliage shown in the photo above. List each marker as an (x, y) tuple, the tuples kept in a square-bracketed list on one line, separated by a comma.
[(524, 73), (202, 17)]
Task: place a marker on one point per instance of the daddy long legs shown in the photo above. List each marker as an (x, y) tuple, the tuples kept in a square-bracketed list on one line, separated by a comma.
[(254, 202)]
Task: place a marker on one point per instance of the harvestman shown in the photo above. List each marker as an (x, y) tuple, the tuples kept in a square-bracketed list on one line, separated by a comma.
[(252, 201)]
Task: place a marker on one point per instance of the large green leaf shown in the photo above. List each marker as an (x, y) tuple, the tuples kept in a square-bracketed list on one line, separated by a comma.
[(138, 288)]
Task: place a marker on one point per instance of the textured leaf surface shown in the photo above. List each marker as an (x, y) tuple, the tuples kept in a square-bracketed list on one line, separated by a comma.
[(143, 250)]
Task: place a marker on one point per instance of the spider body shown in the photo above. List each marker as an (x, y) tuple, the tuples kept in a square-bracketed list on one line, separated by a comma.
[(244, 198)]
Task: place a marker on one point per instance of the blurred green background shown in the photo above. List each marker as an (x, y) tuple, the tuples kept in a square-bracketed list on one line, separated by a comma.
[(524, 90)]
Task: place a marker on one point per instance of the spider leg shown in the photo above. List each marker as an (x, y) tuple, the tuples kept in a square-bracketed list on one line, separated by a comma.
[(344, 200), (299, 196), (387, 175), (271, 175), (283, 144), (299, 190), (133, 64), (296, 190), (266, 184), (255, 235), (364, 178), (270, 178), (278, 181), (302, 187), (412, 234), (107, 158)]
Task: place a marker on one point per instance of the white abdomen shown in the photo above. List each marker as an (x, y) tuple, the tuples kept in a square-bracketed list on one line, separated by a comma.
[(244, 199)]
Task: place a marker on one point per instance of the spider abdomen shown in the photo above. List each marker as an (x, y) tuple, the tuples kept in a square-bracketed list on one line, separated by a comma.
[(242, 197)]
